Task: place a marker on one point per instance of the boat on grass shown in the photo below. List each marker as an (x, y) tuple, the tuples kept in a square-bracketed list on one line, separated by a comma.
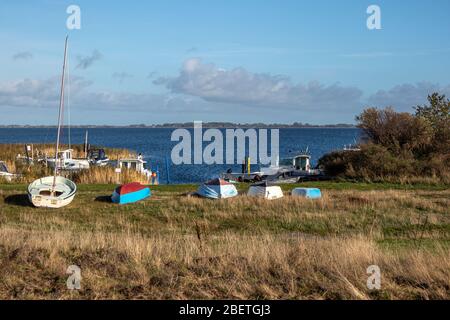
[(130, 192), (54, 191), (265, 190), (309, 193), (217, 189), (51, 192)]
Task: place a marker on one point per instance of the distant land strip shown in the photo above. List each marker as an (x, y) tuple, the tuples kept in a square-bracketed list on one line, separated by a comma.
[(204, 124)]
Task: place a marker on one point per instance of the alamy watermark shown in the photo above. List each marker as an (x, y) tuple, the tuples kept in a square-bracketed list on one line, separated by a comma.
[(374, 20), (74, 19), (74, 280), (374, 279), (189, 150)]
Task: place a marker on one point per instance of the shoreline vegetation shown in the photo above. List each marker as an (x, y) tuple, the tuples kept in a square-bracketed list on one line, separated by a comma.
[(399, 147), (95, 175), (171, 246), (185, 125)]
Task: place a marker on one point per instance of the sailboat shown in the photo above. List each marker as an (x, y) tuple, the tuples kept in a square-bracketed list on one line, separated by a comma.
[(54, 191)]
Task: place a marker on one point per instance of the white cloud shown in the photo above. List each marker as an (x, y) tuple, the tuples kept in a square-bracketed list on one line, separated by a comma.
[(406, 96), (33, 93), (240, 86), (36, 93), (213, 93)]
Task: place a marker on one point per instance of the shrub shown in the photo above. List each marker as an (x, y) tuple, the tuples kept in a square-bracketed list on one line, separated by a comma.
[(372, 163), (395, 131), (401, 146)]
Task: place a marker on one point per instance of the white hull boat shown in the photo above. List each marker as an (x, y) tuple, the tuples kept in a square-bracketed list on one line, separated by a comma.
[(42, 192), (54, 191), (101, 163), (265, 191), (5, 174), (97, 157), (69, 164), (65, 161)]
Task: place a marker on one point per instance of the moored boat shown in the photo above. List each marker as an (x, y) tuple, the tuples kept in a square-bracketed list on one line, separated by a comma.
[(66, 162), (98, 157), (4, 172)]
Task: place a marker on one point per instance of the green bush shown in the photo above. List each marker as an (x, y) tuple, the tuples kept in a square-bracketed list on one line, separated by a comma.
[(400, 146)]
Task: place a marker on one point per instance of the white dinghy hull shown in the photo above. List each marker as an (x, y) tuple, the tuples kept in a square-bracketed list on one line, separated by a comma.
[(40, 192), (265, 191)]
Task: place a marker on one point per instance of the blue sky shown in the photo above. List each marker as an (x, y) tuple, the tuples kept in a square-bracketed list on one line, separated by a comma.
[(243, 61)]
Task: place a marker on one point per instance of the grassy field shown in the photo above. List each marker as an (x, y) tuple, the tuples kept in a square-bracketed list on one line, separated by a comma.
[(172, 246)]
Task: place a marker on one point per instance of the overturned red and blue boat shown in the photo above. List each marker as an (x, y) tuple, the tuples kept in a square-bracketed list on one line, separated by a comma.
[(130, 192)]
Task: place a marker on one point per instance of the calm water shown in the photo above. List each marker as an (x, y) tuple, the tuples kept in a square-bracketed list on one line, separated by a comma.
[(155, 145)]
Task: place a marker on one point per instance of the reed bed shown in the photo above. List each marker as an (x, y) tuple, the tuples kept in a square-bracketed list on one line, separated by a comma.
[(107, 175), (96, 175), (9, 152)]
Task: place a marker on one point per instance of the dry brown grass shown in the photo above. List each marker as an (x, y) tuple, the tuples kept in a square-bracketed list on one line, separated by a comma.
[(129, 265), (175, 247), (107, 175)]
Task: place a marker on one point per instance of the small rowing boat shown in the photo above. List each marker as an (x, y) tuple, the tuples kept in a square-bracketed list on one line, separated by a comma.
[(51, 192), (130, 192), (217, 189), (265, 190)]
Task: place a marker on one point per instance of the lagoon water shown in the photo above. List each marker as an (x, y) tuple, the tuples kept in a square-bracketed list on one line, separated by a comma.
[(155, 145)]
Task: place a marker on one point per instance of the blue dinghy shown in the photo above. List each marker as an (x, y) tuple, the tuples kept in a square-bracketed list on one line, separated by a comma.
[(310, 193)]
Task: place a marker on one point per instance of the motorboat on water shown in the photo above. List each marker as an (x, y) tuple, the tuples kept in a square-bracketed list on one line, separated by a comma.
[(236, 177), (64, 161), (135, 164), (246, 175), (98, 157), (54, 191), (4, 172), (291, 169)]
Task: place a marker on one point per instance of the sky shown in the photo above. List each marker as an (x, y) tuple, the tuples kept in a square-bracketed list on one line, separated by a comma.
[(269, 61)]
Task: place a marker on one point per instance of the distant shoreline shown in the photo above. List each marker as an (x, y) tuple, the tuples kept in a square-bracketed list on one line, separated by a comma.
[(188, 125)]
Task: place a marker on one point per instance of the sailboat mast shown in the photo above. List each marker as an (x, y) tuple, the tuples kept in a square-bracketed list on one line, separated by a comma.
[(61, 113), (86, 144)]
